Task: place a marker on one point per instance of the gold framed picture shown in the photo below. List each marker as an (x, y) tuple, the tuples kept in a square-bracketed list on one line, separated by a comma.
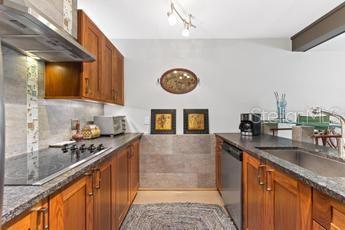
[(195, 121), (163, 121)]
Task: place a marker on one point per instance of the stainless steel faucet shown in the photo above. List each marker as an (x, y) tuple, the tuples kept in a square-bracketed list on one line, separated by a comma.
[(341, 140)]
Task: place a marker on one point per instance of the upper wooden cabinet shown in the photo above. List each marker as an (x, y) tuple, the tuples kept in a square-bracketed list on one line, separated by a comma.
[(118, 77), (101, 80), (274, 200), (91, 38)]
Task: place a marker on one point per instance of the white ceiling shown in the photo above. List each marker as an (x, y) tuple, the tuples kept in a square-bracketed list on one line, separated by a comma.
[(146, 19)]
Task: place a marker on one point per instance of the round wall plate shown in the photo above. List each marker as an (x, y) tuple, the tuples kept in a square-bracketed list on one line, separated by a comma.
[(179, 81)]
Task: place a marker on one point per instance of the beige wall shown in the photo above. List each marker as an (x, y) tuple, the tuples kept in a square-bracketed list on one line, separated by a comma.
[(177, 161)]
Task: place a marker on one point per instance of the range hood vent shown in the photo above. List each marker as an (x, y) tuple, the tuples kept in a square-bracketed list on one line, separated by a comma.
[(26, 30)]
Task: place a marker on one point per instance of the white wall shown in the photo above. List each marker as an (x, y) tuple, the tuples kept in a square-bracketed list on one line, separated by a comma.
[(235, 75)]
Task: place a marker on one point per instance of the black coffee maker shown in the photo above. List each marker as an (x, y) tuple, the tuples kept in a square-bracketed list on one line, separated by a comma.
[(250, 124)]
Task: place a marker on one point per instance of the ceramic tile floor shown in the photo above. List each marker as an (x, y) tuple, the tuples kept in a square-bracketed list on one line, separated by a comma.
[(206, 197)]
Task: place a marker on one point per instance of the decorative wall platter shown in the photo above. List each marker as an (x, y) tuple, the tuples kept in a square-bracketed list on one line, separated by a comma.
[(179, 81)]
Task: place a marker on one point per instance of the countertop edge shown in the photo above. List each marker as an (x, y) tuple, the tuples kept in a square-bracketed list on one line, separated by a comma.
[(322, 186), (68, 178)]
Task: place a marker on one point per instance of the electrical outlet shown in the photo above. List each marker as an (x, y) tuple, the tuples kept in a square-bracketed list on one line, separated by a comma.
[(147, 120), (74, 124)]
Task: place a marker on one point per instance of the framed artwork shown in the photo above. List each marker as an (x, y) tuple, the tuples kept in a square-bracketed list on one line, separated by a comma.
[(195, 121), (163, 121)]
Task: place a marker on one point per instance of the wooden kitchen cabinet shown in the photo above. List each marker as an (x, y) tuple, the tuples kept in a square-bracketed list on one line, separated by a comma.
[(328, 213), (134, 171), (274, 200), (72, 208), (90, 37), (288, 202), (118, 77), (254, 193), (122, 184), (103, 197), (107, 71), (219, 144), (100, 81), (35, 218)]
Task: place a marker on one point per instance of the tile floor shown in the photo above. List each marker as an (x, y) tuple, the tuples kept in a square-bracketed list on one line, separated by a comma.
[(206, 197)]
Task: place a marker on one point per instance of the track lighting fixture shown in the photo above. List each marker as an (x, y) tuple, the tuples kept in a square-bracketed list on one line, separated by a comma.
[(174, 14)]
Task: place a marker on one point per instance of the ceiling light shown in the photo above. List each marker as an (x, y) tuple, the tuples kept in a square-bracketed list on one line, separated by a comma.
[(185, 31), (172, 19), (171, 16)]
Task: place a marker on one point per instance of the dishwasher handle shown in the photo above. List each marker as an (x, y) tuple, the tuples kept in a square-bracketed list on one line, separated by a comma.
[(233, 151)]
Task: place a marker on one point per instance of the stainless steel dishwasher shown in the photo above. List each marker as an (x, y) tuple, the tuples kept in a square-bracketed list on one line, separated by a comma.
[(232, 182)]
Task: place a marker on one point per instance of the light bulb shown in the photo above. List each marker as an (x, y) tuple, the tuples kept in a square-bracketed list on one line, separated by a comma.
[(185, 32), (172, 19)]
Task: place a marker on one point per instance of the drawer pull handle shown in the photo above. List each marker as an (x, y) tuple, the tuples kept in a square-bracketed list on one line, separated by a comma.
[(90, 174), (269, 181), (261, 174), (44, 211)]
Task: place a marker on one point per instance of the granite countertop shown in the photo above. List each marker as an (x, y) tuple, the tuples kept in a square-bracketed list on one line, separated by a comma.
[(332, 186), (18, 199)]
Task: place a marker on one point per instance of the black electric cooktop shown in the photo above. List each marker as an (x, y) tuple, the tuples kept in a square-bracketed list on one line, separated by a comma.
[(42, 166)]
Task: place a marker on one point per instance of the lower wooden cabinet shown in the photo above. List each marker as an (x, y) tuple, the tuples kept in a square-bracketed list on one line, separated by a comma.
[(122, 189), (328, 213), (72, 208), (36, 218), (134, 170), (254, 193), (288, 201), (103, 187), (274, 200)]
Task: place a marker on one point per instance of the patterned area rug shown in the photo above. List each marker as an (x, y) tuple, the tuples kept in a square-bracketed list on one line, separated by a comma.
[(177, 216)]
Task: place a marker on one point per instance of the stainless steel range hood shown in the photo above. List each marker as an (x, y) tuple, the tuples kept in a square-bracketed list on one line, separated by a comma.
[(26, 30)]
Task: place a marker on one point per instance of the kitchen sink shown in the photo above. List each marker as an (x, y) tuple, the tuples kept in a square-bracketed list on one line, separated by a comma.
[(320, 165)]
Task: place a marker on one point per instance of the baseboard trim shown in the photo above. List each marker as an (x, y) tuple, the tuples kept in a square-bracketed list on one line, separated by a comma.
[(177, 189)]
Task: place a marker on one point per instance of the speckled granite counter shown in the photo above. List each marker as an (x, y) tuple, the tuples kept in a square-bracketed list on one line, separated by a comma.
[(332, 186), (18, 199)]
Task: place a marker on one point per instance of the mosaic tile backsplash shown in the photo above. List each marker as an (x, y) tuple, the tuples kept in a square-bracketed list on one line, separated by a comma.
[(31, 122)]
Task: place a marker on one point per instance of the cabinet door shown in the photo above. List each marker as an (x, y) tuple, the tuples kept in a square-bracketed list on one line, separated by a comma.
[(36, 218), (122, 190), (338, 215), (134, 170), (72, 208), (254, 193), (107, 71), (91, 38), (288, 203), (219, 143), (118, 77), (103, 196)]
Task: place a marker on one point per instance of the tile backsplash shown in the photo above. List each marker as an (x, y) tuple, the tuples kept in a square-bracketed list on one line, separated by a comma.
[(31, 121)]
